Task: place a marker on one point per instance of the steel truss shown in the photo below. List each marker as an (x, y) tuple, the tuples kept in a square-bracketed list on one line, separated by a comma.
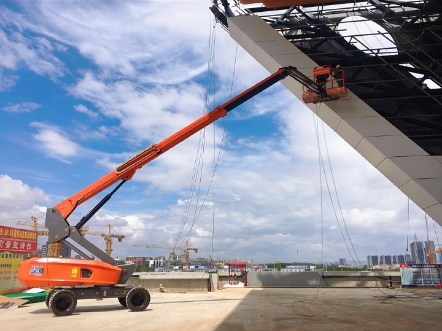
[(401, 81)]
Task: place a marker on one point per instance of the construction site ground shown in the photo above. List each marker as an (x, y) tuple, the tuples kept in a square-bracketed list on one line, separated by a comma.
[(247, 309)]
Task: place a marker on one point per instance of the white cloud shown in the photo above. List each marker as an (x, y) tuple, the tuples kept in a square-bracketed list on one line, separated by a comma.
[(146, 114), (8, 60), (108, 36), (203, 233), (7, 81), (18, 200), (148, 51), (84, 110), (24, 107), (16, 194), (34, 53), (54, 142), (88, 132)]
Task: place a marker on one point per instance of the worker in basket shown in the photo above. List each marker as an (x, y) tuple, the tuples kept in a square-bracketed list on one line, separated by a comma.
[(321, 80), (337, 75)]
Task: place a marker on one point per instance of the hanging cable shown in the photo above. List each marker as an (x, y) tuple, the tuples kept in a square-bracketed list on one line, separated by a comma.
[(408, 230), (215, 159), (199, 155), (315, 123), (197, 213), (329, 191), (435, 232), (197, 210), (213, 190), (428, 239), (337, 196)]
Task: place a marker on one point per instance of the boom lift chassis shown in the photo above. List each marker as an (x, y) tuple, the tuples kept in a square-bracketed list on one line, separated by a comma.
[(73, 279)]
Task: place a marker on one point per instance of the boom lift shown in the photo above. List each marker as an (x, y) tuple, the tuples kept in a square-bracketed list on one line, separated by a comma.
[(86, 278)]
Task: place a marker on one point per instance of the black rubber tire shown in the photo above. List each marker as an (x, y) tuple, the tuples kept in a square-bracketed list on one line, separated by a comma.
[(122, 301), (63, 302), (137, 299), (48, 296)]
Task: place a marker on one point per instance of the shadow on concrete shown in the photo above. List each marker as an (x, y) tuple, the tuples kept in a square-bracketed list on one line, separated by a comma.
[(344, 309), (286, 279)]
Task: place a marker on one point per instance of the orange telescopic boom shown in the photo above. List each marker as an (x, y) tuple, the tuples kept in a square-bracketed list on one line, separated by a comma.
[(127, 170)]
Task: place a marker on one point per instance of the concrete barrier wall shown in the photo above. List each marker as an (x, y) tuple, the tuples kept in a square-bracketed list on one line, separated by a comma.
[(173, 281), (202, 282), (362, 279), (285, 279)]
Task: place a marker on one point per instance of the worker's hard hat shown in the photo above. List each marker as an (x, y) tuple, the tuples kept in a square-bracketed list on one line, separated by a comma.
[(338, 66)]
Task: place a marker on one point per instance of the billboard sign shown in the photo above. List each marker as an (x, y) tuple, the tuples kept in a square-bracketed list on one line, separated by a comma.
[(421, 275), (15, 244), (18, 240)]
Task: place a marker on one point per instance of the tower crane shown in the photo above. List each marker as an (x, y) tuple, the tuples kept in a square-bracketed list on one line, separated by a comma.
[(432, 256), (34, 224), (108, 238), (171, 248)]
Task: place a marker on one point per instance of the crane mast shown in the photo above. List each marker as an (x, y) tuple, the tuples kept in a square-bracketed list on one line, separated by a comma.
[(108, 238)]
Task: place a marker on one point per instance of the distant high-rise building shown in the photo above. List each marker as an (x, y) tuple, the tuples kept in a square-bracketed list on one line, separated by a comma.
[(161, 258), (382, 260), (44, 250), (153, 263), (65, 251), (375, 260), (419, 250), (342, 261), (138, 261)]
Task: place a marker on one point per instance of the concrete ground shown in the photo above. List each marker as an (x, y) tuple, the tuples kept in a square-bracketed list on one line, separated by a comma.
[(247, 309)]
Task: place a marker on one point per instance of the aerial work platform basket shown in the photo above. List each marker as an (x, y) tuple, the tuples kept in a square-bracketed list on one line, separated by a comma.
[(331, 83)]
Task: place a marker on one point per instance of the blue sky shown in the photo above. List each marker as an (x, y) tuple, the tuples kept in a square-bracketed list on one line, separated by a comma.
[(86, 85)]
